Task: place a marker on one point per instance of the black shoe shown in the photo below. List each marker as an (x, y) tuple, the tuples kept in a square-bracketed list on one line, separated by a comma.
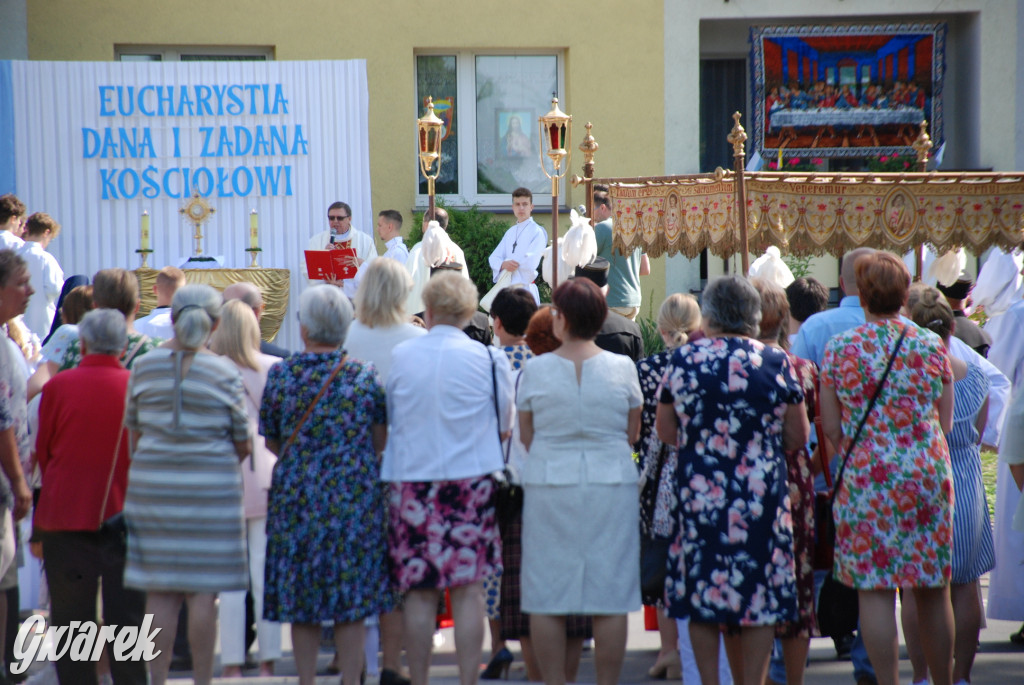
[(499, 666), (843, 644), (389, 677)]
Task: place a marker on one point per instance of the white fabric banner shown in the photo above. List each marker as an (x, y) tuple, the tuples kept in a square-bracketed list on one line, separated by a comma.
[(98, 143)]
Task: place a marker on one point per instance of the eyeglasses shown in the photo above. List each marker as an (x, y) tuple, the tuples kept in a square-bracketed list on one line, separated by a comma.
[(337, 218)]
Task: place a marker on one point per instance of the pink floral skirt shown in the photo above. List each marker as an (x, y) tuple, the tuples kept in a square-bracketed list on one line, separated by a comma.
[(443, 533)]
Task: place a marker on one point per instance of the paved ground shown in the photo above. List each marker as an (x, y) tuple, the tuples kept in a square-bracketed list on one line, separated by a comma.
[(999, 662)]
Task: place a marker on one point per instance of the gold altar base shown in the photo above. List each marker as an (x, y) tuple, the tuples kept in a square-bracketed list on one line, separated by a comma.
[(275, 285)]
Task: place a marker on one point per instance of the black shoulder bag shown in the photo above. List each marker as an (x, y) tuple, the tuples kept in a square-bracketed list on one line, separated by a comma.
[(838, 609), (508, 496)]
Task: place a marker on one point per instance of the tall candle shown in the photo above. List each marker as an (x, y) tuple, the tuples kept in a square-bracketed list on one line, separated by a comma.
[(254, 230), (780, 159), (144, 232)]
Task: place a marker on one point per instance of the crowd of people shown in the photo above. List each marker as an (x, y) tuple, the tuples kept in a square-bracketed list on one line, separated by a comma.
[(396, 465)]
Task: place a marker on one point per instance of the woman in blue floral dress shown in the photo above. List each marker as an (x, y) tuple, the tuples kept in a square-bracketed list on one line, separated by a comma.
[(326, 518), (732, 405)]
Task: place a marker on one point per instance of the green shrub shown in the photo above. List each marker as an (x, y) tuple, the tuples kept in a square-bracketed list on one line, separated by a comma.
[(651, 337)]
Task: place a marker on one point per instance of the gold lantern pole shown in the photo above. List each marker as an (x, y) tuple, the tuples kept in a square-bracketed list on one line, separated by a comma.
[(588, 147), (428, 129), (737, 137), (555, 129), (922, 146)]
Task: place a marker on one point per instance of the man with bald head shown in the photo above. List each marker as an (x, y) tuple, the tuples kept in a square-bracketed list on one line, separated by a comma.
[(251, 295), (818, 328), (158, 324)]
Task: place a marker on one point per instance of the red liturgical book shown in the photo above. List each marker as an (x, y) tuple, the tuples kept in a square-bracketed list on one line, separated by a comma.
[(321, 264)]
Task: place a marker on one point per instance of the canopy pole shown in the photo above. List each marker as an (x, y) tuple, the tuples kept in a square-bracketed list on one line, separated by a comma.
[(921, 146), (737, 137)]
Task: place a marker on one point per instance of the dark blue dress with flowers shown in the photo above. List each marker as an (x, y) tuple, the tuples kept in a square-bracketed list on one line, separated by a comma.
[(327, 509), (732, 562)]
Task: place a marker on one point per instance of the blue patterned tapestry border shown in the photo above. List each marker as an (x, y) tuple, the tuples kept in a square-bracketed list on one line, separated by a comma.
[(846, 91)]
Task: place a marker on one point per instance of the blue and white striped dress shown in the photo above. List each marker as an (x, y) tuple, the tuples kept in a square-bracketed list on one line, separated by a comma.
[(973, 551), (183, 506)]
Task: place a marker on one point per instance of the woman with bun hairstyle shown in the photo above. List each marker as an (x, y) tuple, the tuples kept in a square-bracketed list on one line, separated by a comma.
[(678, 317), (186, 528)]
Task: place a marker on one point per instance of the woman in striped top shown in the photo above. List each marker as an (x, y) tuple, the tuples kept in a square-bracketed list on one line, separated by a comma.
[(973, 550), (183, 507)]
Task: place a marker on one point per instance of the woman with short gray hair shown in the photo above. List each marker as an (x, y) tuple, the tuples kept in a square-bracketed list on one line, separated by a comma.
[(324, 316), (731, 305), (731, 405), (103, 331), (84, 483), (323, 414), (185, 478)]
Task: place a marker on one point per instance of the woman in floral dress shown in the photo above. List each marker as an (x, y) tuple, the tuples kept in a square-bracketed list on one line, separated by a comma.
[(795, 636), (732, 405), (893, 511), (326, 517)]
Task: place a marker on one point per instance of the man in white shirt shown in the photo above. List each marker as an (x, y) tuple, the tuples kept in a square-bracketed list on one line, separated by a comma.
[(12, 215), (389, 228), (341, 235), (158, 324), (521, 248), (417, 264), (46, 275)]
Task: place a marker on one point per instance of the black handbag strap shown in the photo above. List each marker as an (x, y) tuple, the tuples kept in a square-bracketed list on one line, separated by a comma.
[(494, 397), (864, 418), (652, 503), (312, 405)]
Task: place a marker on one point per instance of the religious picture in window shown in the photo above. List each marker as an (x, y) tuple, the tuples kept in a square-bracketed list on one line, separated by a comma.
[(514, 134)]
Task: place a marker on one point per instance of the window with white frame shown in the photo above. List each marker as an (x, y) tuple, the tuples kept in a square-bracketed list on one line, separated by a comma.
[(197, 53), (490, 104)]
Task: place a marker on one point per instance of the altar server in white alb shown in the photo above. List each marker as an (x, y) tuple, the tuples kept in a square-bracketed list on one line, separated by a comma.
[(47, 276), (389, 228), (435, 249), (341, 235), (520, 250)]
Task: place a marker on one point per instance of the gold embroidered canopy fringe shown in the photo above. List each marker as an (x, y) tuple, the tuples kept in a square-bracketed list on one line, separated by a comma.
[(813, 214), (818, 214)]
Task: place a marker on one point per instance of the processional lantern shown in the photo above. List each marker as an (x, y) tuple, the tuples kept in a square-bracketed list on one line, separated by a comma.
[(429, 134), (555, 129)]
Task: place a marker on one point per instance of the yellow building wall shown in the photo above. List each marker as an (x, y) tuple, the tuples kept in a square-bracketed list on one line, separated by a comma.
[(614, 63)]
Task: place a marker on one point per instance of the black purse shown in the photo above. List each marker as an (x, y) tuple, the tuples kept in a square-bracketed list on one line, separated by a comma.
[(653, 549), (508, 496), (838, 609), (114, 527)]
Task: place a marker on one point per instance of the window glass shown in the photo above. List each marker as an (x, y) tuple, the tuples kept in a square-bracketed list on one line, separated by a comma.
[(223, 58), (511, 92), (436, 78)]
